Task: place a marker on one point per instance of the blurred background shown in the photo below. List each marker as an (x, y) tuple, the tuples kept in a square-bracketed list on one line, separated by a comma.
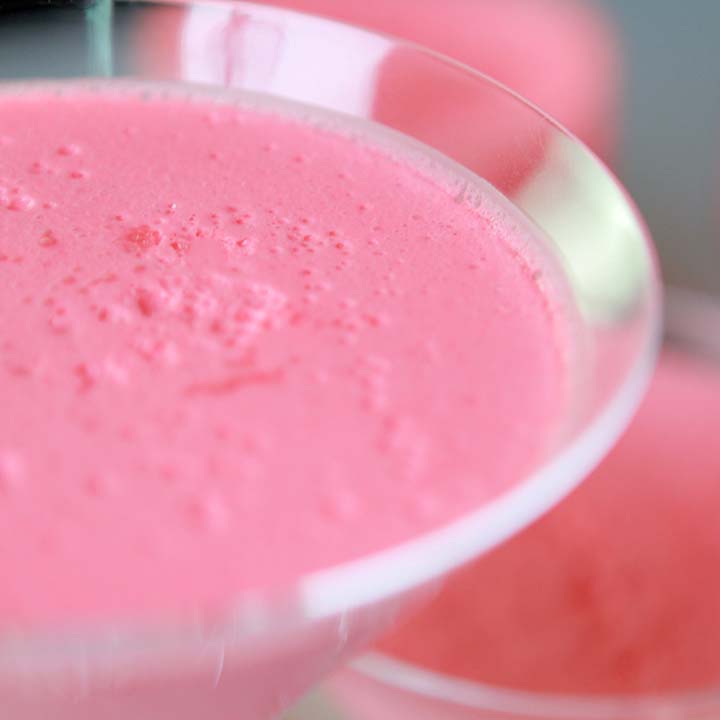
[(669, 154)]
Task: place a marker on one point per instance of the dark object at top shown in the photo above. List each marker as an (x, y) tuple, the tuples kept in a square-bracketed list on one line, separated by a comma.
[(33, 4)]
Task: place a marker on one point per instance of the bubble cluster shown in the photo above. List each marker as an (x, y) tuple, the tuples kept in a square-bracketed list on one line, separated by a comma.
[(140, 239), (48, 239), (69, 150), (207, 513), (15, 198), (12, 471)]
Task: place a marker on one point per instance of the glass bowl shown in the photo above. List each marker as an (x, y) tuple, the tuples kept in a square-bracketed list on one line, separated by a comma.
[(257, 657)]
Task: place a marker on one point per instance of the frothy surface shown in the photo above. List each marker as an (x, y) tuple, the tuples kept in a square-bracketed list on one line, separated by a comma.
[(616, 590), (237, 347)]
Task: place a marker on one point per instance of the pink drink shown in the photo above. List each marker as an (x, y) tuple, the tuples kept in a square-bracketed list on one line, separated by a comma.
[(240, 344), (616, 590)]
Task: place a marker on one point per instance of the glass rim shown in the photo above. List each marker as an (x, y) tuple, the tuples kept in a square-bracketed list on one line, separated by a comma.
[(380, 575), (687, 312), (470, 695)]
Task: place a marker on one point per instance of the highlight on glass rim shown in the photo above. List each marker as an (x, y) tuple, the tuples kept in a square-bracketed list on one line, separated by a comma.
[(359, 361)]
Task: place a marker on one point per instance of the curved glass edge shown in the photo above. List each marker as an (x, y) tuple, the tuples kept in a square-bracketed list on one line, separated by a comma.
[(468, 695), (339, 589), (692, 318)]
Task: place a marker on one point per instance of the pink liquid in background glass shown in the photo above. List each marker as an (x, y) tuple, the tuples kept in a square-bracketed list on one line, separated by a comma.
[(561, 54), (616, 590), (237, 347)]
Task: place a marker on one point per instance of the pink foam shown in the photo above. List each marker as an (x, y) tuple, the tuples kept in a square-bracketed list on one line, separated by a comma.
[(616, 590), (237, 348)]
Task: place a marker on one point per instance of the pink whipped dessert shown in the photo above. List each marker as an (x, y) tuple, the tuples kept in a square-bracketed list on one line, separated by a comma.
[(616, 590), (238, 345)]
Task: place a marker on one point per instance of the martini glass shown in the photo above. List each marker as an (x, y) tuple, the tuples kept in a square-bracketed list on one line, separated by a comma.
[(256, 658), (379, 686)]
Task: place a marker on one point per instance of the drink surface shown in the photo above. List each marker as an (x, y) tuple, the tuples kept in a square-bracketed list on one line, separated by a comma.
[(239, 344), (615, 590)]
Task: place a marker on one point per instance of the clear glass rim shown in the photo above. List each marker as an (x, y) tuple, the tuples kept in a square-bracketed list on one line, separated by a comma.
[(390, 572), (689, 313)]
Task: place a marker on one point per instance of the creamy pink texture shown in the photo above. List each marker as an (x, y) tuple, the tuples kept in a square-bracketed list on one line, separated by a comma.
[(616, 590), (236, 348)]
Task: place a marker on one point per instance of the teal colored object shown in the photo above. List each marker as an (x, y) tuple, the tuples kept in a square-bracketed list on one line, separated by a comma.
[(100, 46)]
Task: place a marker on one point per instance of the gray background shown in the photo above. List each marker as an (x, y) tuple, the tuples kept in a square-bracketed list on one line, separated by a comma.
[(670, 158)]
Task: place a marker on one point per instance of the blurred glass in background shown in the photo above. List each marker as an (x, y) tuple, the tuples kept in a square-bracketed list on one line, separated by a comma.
[(636, 80)]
